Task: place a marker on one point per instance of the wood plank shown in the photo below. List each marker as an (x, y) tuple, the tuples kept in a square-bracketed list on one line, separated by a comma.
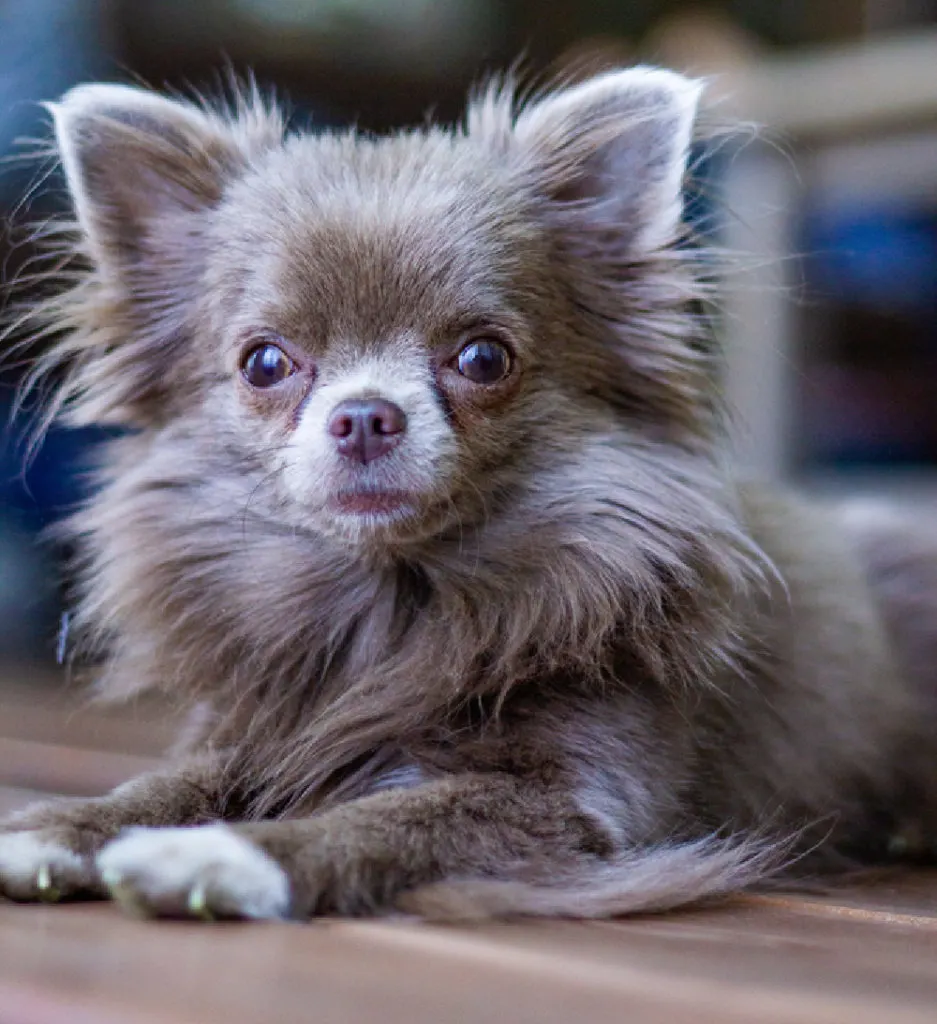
[(72, 771), (51, 710), (90, 960), (896, 892), (863, 953)]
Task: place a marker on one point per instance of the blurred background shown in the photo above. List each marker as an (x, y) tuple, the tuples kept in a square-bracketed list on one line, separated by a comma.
[(829, 324)]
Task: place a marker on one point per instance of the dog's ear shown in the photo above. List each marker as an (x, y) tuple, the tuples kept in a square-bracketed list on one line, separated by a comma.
[(136, 162), (613, 153), (144, 172)]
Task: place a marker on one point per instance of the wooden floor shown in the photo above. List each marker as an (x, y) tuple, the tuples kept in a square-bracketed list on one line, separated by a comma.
[(869, 955)]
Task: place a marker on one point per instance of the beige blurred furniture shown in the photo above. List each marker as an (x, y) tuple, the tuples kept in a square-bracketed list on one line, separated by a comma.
[(860, 119)]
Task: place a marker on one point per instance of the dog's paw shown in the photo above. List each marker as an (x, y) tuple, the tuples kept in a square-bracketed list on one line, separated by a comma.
[(204, 872), (34, 865)]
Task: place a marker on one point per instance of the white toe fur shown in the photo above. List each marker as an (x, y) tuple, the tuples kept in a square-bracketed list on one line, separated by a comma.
[(162, 866), (24, 854)]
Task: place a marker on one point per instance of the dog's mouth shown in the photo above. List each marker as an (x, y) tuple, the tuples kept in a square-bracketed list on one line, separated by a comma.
[(394, 504), (388, 517)]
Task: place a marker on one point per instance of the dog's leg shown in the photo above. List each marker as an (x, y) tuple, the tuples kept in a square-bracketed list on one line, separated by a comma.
[(357, 858)]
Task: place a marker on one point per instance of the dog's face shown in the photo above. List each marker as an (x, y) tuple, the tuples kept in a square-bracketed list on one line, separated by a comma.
[(385, 339), (373, 313)]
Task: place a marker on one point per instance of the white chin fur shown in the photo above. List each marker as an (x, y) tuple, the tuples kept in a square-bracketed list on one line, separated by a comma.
[(208, 871)]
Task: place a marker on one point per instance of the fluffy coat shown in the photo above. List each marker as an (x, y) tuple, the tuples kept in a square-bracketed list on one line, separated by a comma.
[(547, 654)]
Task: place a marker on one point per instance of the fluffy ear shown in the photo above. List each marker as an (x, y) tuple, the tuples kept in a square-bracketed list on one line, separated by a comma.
[(614, 150), (135, 160), (142, 170)]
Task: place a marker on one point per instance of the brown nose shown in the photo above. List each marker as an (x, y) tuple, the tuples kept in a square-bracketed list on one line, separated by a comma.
[(366, 429)]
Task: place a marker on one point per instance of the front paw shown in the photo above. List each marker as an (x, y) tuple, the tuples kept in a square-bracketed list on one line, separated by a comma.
[(38, 865), (204, 872)]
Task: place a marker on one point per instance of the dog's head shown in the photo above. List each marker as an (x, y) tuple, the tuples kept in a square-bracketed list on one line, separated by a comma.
[(384, 340)]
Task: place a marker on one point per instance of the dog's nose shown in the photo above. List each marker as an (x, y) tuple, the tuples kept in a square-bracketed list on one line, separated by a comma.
[(366, 429)]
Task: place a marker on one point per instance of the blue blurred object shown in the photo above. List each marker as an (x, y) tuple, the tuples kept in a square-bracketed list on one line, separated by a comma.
[(39, 491), (33, 496), (883, 256), (871, 371), (45, 47)]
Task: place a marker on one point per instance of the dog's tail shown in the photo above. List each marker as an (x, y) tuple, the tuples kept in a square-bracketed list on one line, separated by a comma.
[(640, 881)]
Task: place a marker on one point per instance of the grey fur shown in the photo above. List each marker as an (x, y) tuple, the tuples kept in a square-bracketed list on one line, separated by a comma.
[(677, 685)]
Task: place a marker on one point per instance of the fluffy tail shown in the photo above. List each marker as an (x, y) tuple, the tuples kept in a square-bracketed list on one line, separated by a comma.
[(640, 881)]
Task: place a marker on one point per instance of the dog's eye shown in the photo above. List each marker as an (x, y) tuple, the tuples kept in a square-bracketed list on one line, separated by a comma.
[(266, 365), (484, 361)]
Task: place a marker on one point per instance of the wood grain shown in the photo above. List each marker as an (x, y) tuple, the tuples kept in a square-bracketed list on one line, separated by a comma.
[(864, 955)]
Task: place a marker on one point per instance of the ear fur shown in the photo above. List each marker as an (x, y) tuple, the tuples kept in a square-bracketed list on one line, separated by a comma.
[(134, 159), (141, 169), (614, 150)]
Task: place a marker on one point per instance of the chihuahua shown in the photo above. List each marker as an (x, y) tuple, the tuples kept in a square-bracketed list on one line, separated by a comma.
[(421, 502)]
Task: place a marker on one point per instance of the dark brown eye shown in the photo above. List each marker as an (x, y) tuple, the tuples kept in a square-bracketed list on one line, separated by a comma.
[(484, 361), (266, 365)]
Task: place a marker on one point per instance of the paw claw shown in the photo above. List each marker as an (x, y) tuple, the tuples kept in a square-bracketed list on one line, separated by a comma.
[(198, 904), (45, 890)]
